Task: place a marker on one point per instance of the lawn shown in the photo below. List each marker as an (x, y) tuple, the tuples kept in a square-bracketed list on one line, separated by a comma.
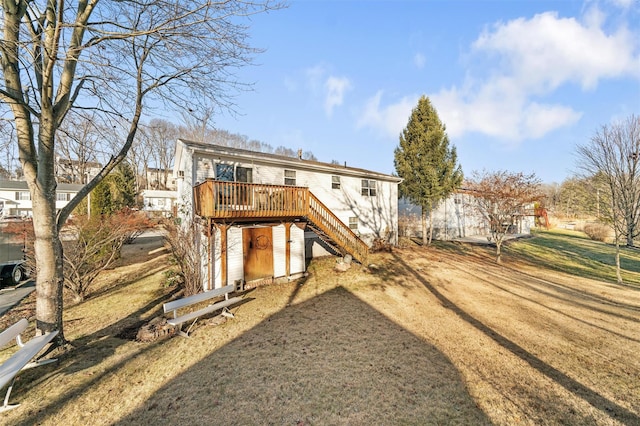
[(436, 335), (571, 252)]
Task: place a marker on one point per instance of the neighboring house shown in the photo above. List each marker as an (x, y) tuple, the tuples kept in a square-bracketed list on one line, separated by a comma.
[(159, 202), (74, 171), (456, 217), (16, 198), (161, 179), (263, 214)]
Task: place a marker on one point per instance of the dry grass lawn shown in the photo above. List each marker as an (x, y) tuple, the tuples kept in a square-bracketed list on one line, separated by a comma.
[(435, 335)]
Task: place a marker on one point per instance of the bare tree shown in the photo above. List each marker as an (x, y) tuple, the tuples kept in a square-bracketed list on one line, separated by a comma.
[(501, 198), (163, 135), (78, 143), (8, 159), (183, 243), (97, 245), (115, 58), (612, 157)]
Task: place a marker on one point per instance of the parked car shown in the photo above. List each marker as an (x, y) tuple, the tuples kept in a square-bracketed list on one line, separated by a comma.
[(12, 273)]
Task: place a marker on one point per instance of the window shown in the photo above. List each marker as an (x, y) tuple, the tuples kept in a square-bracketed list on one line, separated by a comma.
[(63, 196), (353, 223), (244, 174), (368, 187), (335, 182), (23, 196), (160, 202), (224, 172), (290, 177)]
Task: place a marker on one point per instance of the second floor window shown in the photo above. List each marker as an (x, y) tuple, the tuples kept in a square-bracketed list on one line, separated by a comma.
[(290, 177), (23, 196), (244, 174), (353, 223), (224, 172), (368, 187), (335, 182)]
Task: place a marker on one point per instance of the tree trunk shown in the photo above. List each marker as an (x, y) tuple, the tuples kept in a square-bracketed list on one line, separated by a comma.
[(498, 250), (424, 226), (618, 271), (49, 266), (430, 224)]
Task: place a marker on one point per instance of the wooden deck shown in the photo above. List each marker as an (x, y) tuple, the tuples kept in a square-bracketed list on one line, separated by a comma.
[(242, 202)]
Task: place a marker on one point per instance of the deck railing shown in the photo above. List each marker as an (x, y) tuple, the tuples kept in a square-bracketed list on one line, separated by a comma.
[(220, 200), (228, 200)]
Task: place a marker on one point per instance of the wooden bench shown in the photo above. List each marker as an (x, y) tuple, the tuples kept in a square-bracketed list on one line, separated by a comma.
[(198, 298), (21, 360)]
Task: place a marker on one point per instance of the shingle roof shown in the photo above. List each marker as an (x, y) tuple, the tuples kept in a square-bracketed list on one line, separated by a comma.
[(285, 160), (22, 186)]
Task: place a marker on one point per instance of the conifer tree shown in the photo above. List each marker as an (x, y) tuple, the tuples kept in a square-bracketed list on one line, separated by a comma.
[(426, 163)]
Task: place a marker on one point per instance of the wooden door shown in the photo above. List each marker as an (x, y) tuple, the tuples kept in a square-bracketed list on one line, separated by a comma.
[(258, 253)]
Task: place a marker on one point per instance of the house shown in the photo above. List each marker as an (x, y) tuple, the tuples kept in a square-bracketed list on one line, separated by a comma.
[(159, 202), (456, 217), (160, 179), (75, 171), (262, 215), (15, 198)]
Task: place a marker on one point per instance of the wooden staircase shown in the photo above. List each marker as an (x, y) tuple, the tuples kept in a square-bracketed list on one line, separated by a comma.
[(332, 231), (244, 202)]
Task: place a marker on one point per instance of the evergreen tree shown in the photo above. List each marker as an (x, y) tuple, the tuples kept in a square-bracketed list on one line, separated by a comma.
[(124, 186), (115, 192), (426, 163)]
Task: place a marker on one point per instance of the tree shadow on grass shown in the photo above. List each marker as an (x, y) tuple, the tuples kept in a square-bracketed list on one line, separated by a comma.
[(329, 360), (605, 405), (86, 352)]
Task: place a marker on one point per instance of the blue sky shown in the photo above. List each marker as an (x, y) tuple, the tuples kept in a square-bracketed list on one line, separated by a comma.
[(518, 83)]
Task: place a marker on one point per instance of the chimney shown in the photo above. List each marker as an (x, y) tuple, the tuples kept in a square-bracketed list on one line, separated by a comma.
[(299, 154)]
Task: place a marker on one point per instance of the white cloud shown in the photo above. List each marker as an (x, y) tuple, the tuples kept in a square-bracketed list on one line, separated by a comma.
[(546, 51), (518, 66), (387, 121), (623, 4), (335, 88), (315, 75), (419, 60), (500, 112), (330, 88)]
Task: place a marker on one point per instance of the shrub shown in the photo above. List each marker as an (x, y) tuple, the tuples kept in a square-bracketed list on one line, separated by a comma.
[(597, 231), (182, 241), (95, 245)]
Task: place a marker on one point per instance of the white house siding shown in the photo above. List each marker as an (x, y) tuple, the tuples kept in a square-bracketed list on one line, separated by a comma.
[(217, 261), (22, 206), (456, 217), (297, 263), (205, 168), (185, 179), (235, 258), (377, 215), (279, 251), (158, 201)]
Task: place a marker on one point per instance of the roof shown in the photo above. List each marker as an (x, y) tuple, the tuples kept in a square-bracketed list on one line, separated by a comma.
[(22, 186), (281, 160)]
